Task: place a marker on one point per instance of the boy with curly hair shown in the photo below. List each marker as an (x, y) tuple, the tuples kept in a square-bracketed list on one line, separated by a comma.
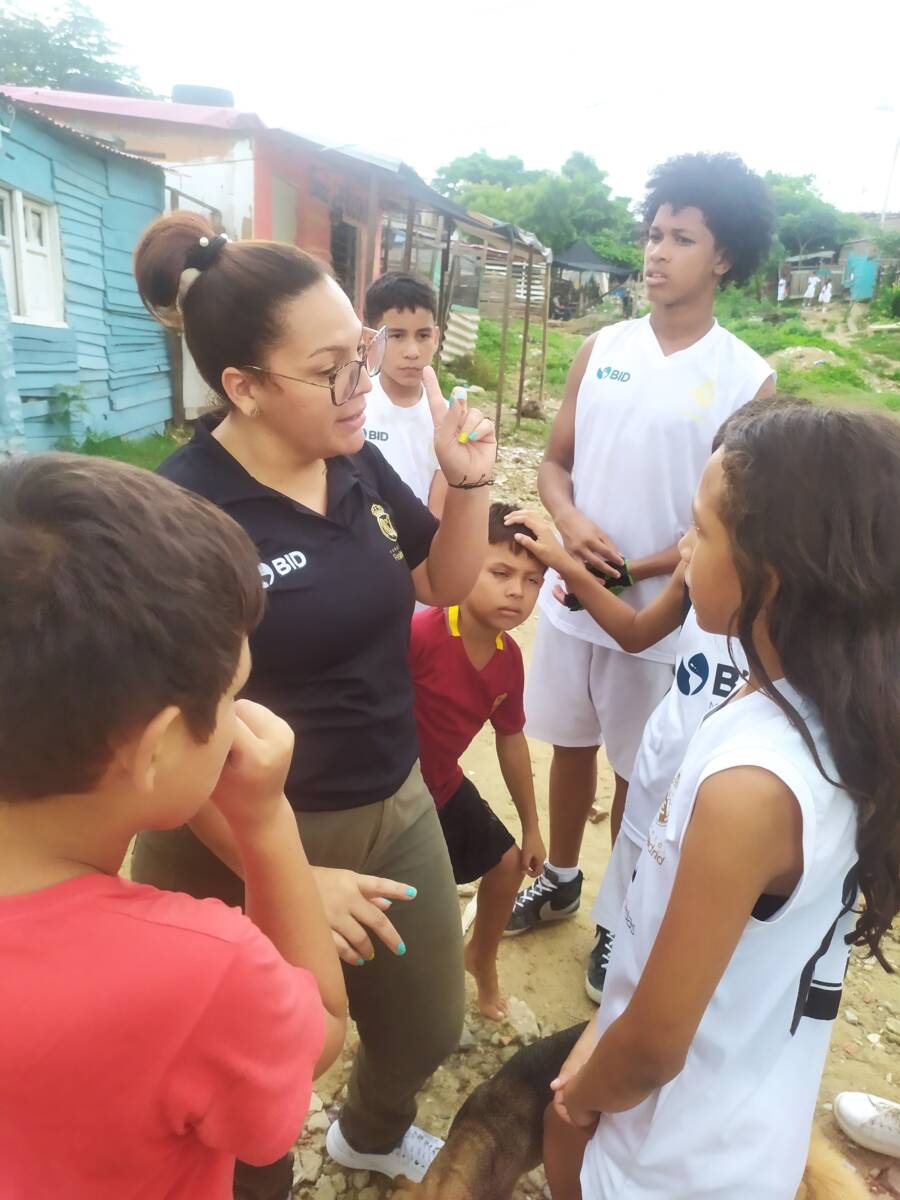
[(642, 402)]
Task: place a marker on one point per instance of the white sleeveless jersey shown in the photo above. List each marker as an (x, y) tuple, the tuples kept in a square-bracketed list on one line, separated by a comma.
[(708, 667), (735, 1123), (405, 436), (644, 425)]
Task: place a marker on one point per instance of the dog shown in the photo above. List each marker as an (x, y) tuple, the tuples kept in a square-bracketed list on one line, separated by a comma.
[(497, 1136)]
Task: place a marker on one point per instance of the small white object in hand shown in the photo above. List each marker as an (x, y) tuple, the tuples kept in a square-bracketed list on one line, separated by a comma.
[(204, 242)]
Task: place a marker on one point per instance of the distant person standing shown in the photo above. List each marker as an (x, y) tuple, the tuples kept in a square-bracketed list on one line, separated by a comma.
[(825, 294), (812, 286), (782, 289)]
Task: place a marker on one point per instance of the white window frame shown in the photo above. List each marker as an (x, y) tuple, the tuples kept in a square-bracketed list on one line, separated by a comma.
[(18, 201)]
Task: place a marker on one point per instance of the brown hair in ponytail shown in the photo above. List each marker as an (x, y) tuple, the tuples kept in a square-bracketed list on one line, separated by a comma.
[(231, 311), (813, 495)]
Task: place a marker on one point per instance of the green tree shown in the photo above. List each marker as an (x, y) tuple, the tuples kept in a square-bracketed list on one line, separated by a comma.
[(558, 207), (480, 168), (74, 52), (806, 222)]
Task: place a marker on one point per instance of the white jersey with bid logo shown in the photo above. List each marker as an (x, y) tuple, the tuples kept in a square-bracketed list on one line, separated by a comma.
[(734, 1124), (644, 425), (405, 436), (708, 667)]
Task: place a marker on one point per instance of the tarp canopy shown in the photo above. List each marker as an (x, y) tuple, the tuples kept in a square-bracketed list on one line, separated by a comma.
[(583, 257)]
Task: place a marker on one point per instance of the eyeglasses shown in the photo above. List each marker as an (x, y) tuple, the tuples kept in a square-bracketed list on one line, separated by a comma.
[(344, 380)]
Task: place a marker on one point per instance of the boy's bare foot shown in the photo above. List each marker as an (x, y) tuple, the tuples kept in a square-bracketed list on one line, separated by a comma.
[(491, 1002)]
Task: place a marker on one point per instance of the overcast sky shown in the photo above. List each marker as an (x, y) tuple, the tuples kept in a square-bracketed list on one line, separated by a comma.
[(791, 85)]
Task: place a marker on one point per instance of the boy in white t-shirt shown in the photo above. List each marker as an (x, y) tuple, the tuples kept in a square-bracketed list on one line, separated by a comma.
[(643, 401), (405, 403)]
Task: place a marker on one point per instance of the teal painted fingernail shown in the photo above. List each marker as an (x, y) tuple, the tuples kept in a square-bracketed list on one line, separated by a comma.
[(473, 436), (401, 949), (411, 891), (360, 962)]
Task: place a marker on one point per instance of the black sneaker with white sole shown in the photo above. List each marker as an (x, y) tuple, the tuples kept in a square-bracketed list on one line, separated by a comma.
[(595, 975), (545, 900)]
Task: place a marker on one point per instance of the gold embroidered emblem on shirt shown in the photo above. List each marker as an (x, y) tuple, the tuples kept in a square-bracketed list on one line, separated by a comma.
[(385, 524)]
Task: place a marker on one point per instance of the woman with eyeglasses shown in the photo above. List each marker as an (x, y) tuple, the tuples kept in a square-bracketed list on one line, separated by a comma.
[(345, 550)]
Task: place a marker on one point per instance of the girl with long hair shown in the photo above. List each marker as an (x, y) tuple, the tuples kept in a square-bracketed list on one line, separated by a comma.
[(777, 844)]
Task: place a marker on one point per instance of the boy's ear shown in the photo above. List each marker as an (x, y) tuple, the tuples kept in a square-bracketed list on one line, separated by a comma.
[(723, 263), (141, 755)]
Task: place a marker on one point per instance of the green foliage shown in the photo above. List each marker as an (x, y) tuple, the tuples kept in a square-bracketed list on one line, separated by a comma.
[(73, 52), (888, 243), (482, 367), (766, 338), (68, 402), (887, 303), (481, 168), (885, 341), (806, 222), (559, 207), (619, 252), (735, 303), (147, 452)]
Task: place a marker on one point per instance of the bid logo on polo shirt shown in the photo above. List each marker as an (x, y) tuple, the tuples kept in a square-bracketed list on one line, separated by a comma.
[(294, 560)]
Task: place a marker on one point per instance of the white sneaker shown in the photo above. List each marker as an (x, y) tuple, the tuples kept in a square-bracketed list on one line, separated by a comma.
[(412, 1157), (872, 1122)]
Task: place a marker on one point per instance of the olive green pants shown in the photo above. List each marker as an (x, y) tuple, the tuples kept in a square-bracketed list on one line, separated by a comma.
[(408, 1009)]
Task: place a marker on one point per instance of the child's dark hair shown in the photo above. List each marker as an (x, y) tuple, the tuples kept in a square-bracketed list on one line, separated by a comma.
[(812, 494), (231, 312), (755, 408), (397, 290), (734, 200), (120, 594), (500, 534)]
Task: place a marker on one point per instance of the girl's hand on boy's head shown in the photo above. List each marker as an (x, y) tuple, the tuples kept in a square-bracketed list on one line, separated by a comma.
[(250, 790), (545, 545), (533, 853), (354, 903), (465, 445)]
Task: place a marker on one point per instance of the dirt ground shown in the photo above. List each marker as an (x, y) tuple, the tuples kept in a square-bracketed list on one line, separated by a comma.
[(545, 971)]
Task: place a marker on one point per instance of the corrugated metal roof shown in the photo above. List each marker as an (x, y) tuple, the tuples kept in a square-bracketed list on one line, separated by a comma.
[(74, 134), (136, 106)]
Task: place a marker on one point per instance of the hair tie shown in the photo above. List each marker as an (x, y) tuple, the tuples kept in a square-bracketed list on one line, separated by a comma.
[(204, 252)]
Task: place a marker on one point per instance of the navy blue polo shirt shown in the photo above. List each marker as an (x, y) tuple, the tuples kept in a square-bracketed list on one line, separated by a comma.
[(330, 654)]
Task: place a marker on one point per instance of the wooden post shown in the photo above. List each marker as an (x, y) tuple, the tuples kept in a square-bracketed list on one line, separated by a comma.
[(371, 232), (548, 278), (410, 234), (443, 312), (175, 344), (504, 332), (522, 363)]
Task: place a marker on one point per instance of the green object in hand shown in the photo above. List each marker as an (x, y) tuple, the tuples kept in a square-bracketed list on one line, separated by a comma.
[(625, 580)]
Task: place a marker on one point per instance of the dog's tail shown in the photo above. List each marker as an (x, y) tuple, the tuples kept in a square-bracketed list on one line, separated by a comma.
[(828, 1176)]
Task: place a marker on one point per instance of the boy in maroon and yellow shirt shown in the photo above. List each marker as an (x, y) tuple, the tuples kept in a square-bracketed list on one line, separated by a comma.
[(467, 670)]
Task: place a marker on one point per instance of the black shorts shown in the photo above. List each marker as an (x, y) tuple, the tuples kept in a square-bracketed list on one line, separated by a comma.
[(476, 837)]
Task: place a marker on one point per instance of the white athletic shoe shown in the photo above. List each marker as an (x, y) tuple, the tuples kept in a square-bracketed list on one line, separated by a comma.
[(412, 1157), (872, 1122)]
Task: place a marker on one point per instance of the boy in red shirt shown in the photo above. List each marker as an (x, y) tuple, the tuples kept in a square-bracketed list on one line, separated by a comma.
[(146, 1038), (466, 670)]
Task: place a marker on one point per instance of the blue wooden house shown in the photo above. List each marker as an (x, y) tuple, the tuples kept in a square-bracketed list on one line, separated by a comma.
[(79, 353)]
